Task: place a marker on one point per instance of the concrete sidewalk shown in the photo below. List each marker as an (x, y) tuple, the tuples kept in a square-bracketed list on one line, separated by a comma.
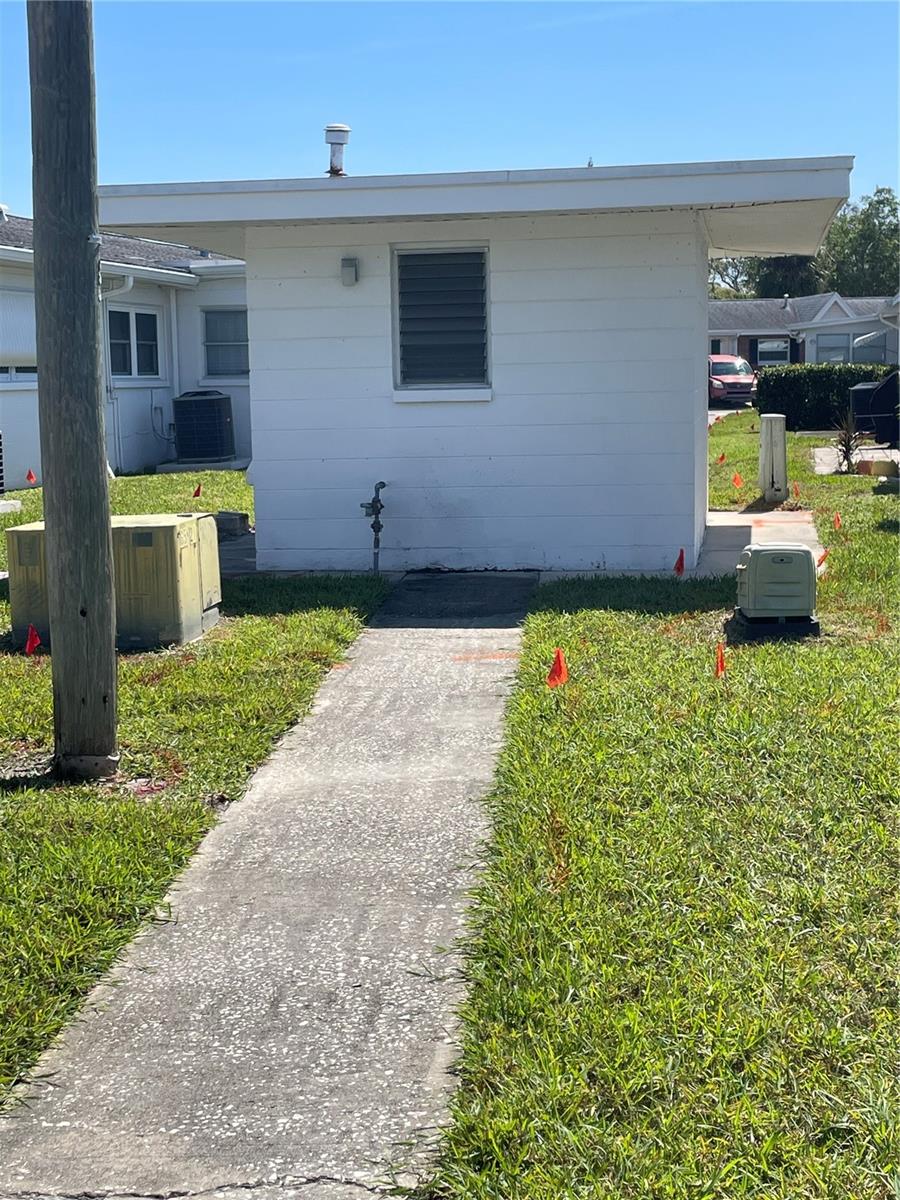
[(288, 1032)]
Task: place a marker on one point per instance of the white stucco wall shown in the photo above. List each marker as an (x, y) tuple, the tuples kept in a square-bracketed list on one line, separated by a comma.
[(591, 451), (18, 397), (229, 292), (138, 411)]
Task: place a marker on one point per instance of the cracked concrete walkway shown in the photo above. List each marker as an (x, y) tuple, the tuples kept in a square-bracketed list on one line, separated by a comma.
[(287, 1031)]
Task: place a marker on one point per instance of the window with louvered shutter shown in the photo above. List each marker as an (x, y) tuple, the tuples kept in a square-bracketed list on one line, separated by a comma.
[(442, 318)]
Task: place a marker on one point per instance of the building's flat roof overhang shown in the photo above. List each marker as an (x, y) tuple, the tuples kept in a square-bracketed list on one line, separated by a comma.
[(766, 206)]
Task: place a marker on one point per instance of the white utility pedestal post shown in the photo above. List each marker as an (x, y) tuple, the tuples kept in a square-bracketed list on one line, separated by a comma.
[(773, 458)]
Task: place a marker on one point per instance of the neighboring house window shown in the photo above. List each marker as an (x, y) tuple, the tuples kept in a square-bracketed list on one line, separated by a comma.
[(441, 317), (873, 351), (773, 350), (833, 347), (225, 339), (715, 345), (17, 374), (133, 343)]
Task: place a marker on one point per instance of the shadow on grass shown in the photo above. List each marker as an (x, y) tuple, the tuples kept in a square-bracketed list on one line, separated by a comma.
[(641, 594), (270, 595), (889, 525), (41, 778)]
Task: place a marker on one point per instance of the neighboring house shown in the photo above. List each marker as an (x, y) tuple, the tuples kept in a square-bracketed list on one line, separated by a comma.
[(814, 329), (480, 342), (174, 319)]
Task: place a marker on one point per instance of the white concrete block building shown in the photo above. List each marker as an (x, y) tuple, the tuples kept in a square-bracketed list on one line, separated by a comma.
[(174, 321), (520, 355)]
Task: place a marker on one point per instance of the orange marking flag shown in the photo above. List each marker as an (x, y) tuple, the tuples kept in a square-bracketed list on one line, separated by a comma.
[(679, 563), (737, 479), (720, 660), (32, 640), (559, 672), (31, 477)]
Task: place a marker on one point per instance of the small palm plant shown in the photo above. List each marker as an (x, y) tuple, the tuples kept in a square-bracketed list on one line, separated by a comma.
[(847, 443)]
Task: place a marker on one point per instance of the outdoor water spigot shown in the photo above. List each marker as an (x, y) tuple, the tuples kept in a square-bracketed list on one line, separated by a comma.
[(373, 508)]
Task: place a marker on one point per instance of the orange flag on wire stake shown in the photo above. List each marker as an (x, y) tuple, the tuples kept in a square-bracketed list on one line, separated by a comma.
[(197, 490), (679, 563), (837, 520), (30, 477), (822, 557), (796, 487), (737, 479), (720, 660), (559, 672), (720, 459), (32, 640)]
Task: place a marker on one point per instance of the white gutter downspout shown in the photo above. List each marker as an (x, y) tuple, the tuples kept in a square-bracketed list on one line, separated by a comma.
[(125, 287)]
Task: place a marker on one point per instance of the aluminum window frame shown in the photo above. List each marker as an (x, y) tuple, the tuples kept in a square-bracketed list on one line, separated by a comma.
[(133, 311), (225, 308)]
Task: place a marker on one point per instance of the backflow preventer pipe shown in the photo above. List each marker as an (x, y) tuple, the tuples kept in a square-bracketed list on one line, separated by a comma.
[(373, 508)]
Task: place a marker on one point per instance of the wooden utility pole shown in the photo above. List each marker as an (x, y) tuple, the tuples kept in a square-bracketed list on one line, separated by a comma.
[(73, 451)]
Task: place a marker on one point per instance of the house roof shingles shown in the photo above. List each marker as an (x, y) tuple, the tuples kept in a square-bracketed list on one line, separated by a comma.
[(774, 316), (17, 232)]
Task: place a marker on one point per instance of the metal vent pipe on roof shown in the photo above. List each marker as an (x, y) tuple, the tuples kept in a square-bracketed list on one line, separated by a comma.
[(337, 137)]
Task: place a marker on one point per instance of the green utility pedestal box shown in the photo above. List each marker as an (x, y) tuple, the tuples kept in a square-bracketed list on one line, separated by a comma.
[(166, 567)]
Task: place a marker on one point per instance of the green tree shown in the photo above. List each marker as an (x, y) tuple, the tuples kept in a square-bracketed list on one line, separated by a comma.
[(792, 273), (861, 255), (728, 278)]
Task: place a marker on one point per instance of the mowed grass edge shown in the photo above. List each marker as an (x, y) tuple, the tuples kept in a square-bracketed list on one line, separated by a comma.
[(681, 958)]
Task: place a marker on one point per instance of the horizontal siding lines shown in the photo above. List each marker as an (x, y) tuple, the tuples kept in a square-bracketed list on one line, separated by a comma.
[(414, 456), (592, 254)]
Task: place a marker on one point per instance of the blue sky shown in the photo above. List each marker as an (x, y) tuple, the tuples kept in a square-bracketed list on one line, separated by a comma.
[(242, 90)]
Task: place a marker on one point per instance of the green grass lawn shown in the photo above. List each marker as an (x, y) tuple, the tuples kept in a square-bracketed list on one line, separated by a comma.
[(147, 494), (681, 956), (81, 867)]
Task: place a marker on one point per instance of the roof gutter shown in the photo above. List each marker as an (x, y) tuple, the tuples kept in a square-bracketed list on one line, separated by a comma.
[(207, 268), (24, 257)]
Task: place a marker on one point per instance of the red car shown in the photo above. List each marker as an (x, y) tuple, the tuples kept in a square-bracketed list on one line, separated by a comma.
[(731, 378)]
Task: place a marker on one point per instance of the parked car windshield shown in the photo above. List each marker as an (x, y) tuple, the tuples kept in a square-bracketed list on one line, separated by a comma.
[(739, 366)]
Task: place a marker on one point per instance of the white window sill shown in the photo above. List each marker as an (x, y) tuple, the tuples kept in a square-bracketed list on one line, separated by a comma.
[(18, 385), (441, 395), (139, 381)]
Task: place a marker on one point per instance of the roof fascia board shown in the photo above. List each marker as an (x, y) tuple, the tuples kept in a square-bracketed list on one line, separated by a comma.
[(746, 331), (233, 269), (814, 325), (691, 185)]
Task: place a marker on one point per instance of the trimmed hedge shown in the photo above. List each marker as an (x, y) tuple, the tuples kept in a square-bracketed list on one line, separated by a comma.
[(813, 395)]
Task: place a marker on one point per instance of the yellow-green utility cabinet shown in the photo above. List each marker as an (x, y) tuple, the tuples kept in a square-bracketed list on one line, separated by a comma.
[(166, 566)]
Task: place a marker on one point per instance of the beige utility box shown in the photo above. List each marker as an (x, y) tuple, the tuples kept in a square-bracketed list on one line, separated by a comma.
[(776, 582), (166, 568)]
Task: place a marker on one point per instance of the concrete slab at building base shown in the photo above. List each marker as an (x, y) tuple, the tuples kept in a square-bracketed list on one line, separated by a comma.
[(177, 466), (727, 533), (289, 1030)]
